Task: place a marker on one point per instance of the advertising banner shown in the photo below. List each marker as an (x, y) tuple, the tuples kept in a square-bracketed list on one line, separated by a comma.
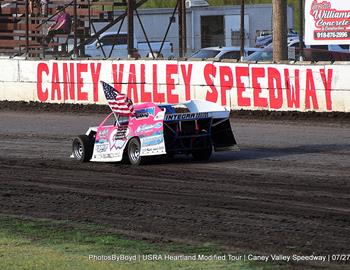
[(238, 86), (327, 22), (233, 85)]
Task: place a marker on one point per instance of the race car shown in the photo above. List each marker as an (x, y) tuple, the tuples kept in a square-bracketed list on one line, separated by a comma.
[(195, 127)]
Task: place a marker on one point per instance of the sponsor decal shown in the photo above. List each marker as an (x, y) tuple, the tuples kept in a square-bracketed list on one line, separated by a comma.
[(103, 134), (159, 116), (153, 150), (145, 128), (153, 140), (185, 116), (101, 148), (144, 113), (158, 132), (108, 156), (117, 139), (122, 133)]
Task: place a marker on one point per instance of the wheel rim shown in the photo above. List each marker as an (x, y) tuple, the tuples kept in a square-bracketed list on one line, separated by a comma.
[(134, 152), (78, 150)]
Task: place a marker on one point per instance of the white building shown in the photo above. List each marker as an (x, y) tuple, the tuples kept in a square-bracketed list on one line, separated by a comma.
[(206, 26)]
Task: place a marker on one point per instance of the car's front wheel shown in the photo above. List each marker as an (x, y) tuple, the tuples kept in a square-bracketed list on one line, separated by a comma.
[(134, 152), (83, 147)]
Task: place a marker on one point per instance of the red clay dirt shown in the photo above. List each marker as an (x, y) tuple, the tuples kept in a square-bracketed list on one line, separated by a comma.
[(287, 191)]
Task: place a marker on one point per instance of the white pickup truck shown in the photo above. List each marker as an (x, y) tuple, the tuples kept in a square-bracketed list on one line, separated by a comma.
[(114, 45)]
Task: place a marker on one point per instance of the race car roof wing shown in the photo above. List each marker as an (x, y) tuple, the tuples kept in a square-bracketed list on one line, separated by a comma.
[(217, 111)]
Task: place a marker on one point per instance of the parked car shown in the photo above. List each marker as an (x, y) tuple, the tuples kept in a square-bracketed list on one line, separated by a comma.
[(294, 42), (309, 54), (223, 52), (265, 40), (112, 44)]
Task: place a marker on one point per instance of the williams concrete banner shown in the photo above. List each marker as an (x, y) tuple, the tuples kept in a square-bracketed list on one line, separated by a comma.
[(327, 22)]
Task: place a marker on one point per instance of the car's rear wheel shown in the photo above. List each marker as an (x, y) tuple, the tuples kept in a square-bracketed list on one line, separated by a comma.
[(204, 153), (83, 147), (134, 152)]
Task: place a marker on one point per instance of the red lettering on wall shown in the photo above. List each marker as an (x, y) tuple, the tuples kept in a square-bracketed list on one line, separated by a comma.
[(81, 68), (95, 75), (132, 87), (55, 83), (68, 81), (171, 69), (145, 96), (187, 74), (226, 82), (293, 91), (327, 82), (310, 91), (258, 101), (157, 97), (42, 94), (210, 71), (275, 88), (118, 76), (240, 72)]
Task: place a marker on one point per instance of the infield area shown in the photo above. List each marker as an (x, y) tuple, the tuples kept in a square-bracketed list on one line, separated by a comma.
[(286, 192)]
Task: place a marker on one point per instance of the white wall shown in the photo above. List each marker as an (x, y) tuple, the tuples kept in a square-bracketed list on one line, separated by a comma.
[(296, 87)]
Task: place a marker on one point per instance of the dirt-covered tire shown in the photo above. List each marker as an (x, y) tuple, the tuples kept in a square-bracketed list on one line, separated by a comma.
[(134, 152), (82, 148), (202, 154)]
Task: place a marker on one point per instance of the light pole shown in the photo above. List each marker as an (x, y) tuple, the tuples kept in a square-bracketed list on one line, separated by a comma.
[(242, 33)]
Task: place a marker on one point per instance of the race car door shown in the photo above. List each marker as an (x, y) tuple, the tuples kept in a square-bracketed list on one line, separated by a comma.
[(111, 139)]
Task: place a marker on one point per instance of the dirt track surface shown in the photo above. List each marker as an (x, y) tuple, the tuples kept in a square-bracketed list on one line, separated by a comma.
[(287, 191)]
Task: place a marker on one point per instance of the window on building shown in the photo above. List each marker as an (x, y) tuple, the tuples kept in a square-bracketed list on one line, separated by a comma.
[(212, 31)]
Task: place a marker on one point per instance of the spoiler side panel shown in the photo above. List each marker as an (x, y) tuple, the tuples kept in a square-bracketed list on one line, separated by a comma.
[(222, 135)]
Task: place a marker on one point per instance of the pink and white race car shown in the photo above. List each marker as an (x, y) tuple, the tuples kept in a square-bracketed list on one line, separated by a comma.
[(195, 127)]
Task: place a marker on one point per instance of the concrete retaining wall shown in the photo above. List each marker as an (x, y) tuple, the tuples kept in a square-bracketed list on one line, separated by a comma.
[(296, 87)]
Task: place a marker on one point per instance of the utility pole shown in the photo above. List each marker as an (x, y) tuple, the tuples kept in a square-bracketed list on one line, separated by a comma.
[(131, 7), (27, 27), (279, 14), (301, 30), (75, 12), (182, 27), (242, 33)]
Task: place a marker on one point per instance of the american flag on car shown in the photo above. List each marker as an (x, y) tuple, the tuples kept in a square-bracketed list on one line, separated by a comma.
[(118, 102)]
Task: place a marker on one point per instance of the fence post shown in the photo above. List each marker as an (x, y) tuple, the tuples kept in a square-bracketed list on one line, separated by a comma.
[(242, 32), (27, 27), (75, 28)]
